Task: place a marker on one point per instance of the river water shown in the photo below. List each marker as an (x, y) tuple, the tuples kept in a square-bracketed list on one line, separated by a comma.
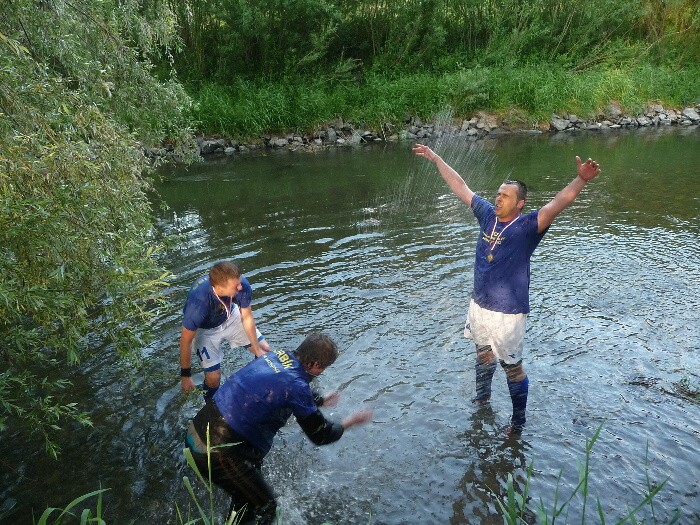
[(369, 245)]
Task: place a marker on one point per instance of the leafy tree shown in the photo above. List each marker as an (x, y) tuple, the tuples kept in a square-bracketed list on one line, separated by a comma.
[(286, 39), (78, 105)]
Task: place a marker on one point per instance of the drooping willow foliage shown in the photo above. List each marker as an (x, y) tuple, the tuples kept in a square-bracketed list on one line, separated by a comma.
[(78, 104)]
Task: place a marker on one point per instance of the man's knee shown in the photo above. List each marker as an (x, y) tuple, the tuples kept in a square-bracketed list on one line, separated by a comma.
[(485, 355), (514, 372), (212, 379)]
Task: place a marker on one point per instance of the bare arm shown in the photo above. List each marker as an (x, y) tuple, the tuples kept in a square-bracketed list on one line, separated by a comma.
[(586, 171), (451, 177), (248, 322), (186, 337), (358, 418)]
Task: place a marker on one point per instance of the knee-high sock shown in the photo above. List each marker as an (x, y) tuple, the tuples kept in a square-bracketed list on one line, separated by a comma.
[(484, 376), (208, 391), (518, 395)]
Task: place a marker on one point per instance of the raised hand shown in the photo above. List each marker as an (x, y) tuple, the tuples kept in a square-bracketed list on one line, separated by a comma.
[(424, 151), (588, 170)]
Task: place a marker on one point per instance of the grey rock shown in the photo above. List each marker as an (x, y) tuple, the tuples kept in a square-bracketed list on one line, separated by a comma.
[(207, 147), (691, 114), (559, 124), (355, 138)]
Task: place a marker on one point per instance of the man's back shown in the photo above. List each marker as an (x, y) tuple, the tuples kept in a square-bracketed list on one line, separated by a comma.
[(259, 399)]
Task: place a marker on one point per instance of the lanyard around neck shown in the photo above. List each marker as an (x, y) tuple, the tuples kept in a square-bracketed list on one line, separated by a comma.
[(227, 308), (493, 244)]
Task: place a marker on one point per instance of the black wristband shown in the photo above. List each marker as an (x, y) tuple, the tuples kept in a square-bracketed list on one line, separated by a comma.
[(186, 372)]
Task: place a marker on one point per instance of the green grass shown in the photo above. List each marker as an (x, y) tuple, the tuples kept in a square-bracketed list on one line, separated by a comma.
[(247, 110)]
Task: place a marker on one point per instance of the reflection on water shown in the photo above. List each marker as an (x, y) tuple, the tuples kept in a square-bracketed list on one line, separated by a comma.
[(488, 460), (369, 245)]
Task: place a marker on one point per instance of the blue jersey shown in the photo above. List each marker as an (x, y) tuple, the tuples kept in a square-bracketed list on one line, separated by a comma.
[(502, 267), (259, 399), (204, 310)]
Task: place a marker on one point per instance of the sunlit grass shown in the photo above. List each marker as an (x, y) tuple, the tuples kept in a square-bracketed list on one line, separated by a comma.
[(247, 110)]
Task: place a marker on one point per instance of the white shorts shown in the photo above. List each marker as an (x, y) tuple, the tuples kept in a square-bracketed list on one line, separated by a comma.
[(504, 333), (207, 341)]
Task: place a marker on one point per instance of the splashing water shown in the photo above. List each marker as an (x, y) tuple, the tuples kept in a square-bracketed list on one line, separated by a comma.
[(472, 157)]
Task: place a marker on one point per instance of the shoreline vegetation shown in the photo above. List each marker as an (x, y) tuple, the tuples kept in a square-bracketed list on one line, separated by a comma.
[(340, 133), (471, 101)]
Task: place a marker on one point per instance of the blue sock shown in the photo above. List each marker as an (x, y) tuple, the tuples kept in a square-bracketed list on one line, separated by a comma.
[(518, 395), (209, 391)]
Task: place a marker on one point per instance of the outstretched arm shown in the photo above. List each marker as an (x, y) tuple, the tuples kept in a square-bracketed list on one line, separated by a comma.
[(451, 177), (322, 431), (587, 171)]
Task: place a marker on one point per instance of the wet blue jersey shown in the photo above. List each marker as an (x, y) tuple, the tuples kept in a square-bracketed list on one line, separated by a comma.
[(204, 310), (259, 399), (502, 266)]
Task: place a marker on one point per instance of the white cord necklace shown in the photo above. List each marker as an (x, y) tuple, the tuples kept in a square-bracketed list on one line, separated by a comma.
[(492, 245), (227, 308)]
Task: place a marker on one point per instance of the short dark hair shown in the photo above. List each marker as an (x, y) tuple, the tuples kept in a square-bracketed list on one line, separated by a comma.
[(222, 272), (522, 188), (317, 348)]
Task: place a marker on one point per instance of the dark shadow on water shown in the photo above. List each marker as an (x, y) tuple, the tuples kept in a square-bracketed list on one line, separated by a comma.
[(492, 458)]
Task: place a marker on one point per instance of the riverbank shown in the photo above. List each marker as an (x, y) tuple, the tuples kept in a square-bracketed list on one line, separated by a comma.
[(342, 133)]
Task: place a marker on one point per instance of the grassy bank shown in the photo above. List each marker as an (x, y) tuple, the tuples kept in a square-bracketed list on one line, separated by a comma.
[(527, 94)]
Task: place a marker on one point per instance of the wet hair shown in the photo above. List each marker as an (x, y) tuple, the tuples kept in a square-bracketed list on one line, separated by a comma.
[(317, 348), (222, 272), (522, 188)]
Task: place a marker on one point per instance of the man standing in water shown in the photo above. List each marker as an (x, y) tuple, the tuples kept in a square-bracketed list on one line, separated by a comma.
[(217, 309), (247, 412), (500, 301)]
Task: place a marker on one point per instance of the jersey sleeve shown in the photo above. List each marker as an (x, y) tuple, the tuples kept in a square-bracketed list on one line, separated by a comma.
[(245, 296), (320, 430), (536, 213), (300, 398), (480, 207), (193, 314), (532, 228)]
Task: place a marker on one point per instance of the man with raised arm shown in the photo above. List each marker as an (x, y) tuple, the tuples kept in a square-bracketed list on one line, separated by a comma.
[(217, 309), (500, 301), (250, 408)]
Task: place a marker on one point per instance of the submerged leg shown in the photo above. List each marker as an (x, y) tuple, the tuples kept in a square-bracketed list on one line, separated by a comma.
[(485, 368), (518, 384), (252, 498)]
